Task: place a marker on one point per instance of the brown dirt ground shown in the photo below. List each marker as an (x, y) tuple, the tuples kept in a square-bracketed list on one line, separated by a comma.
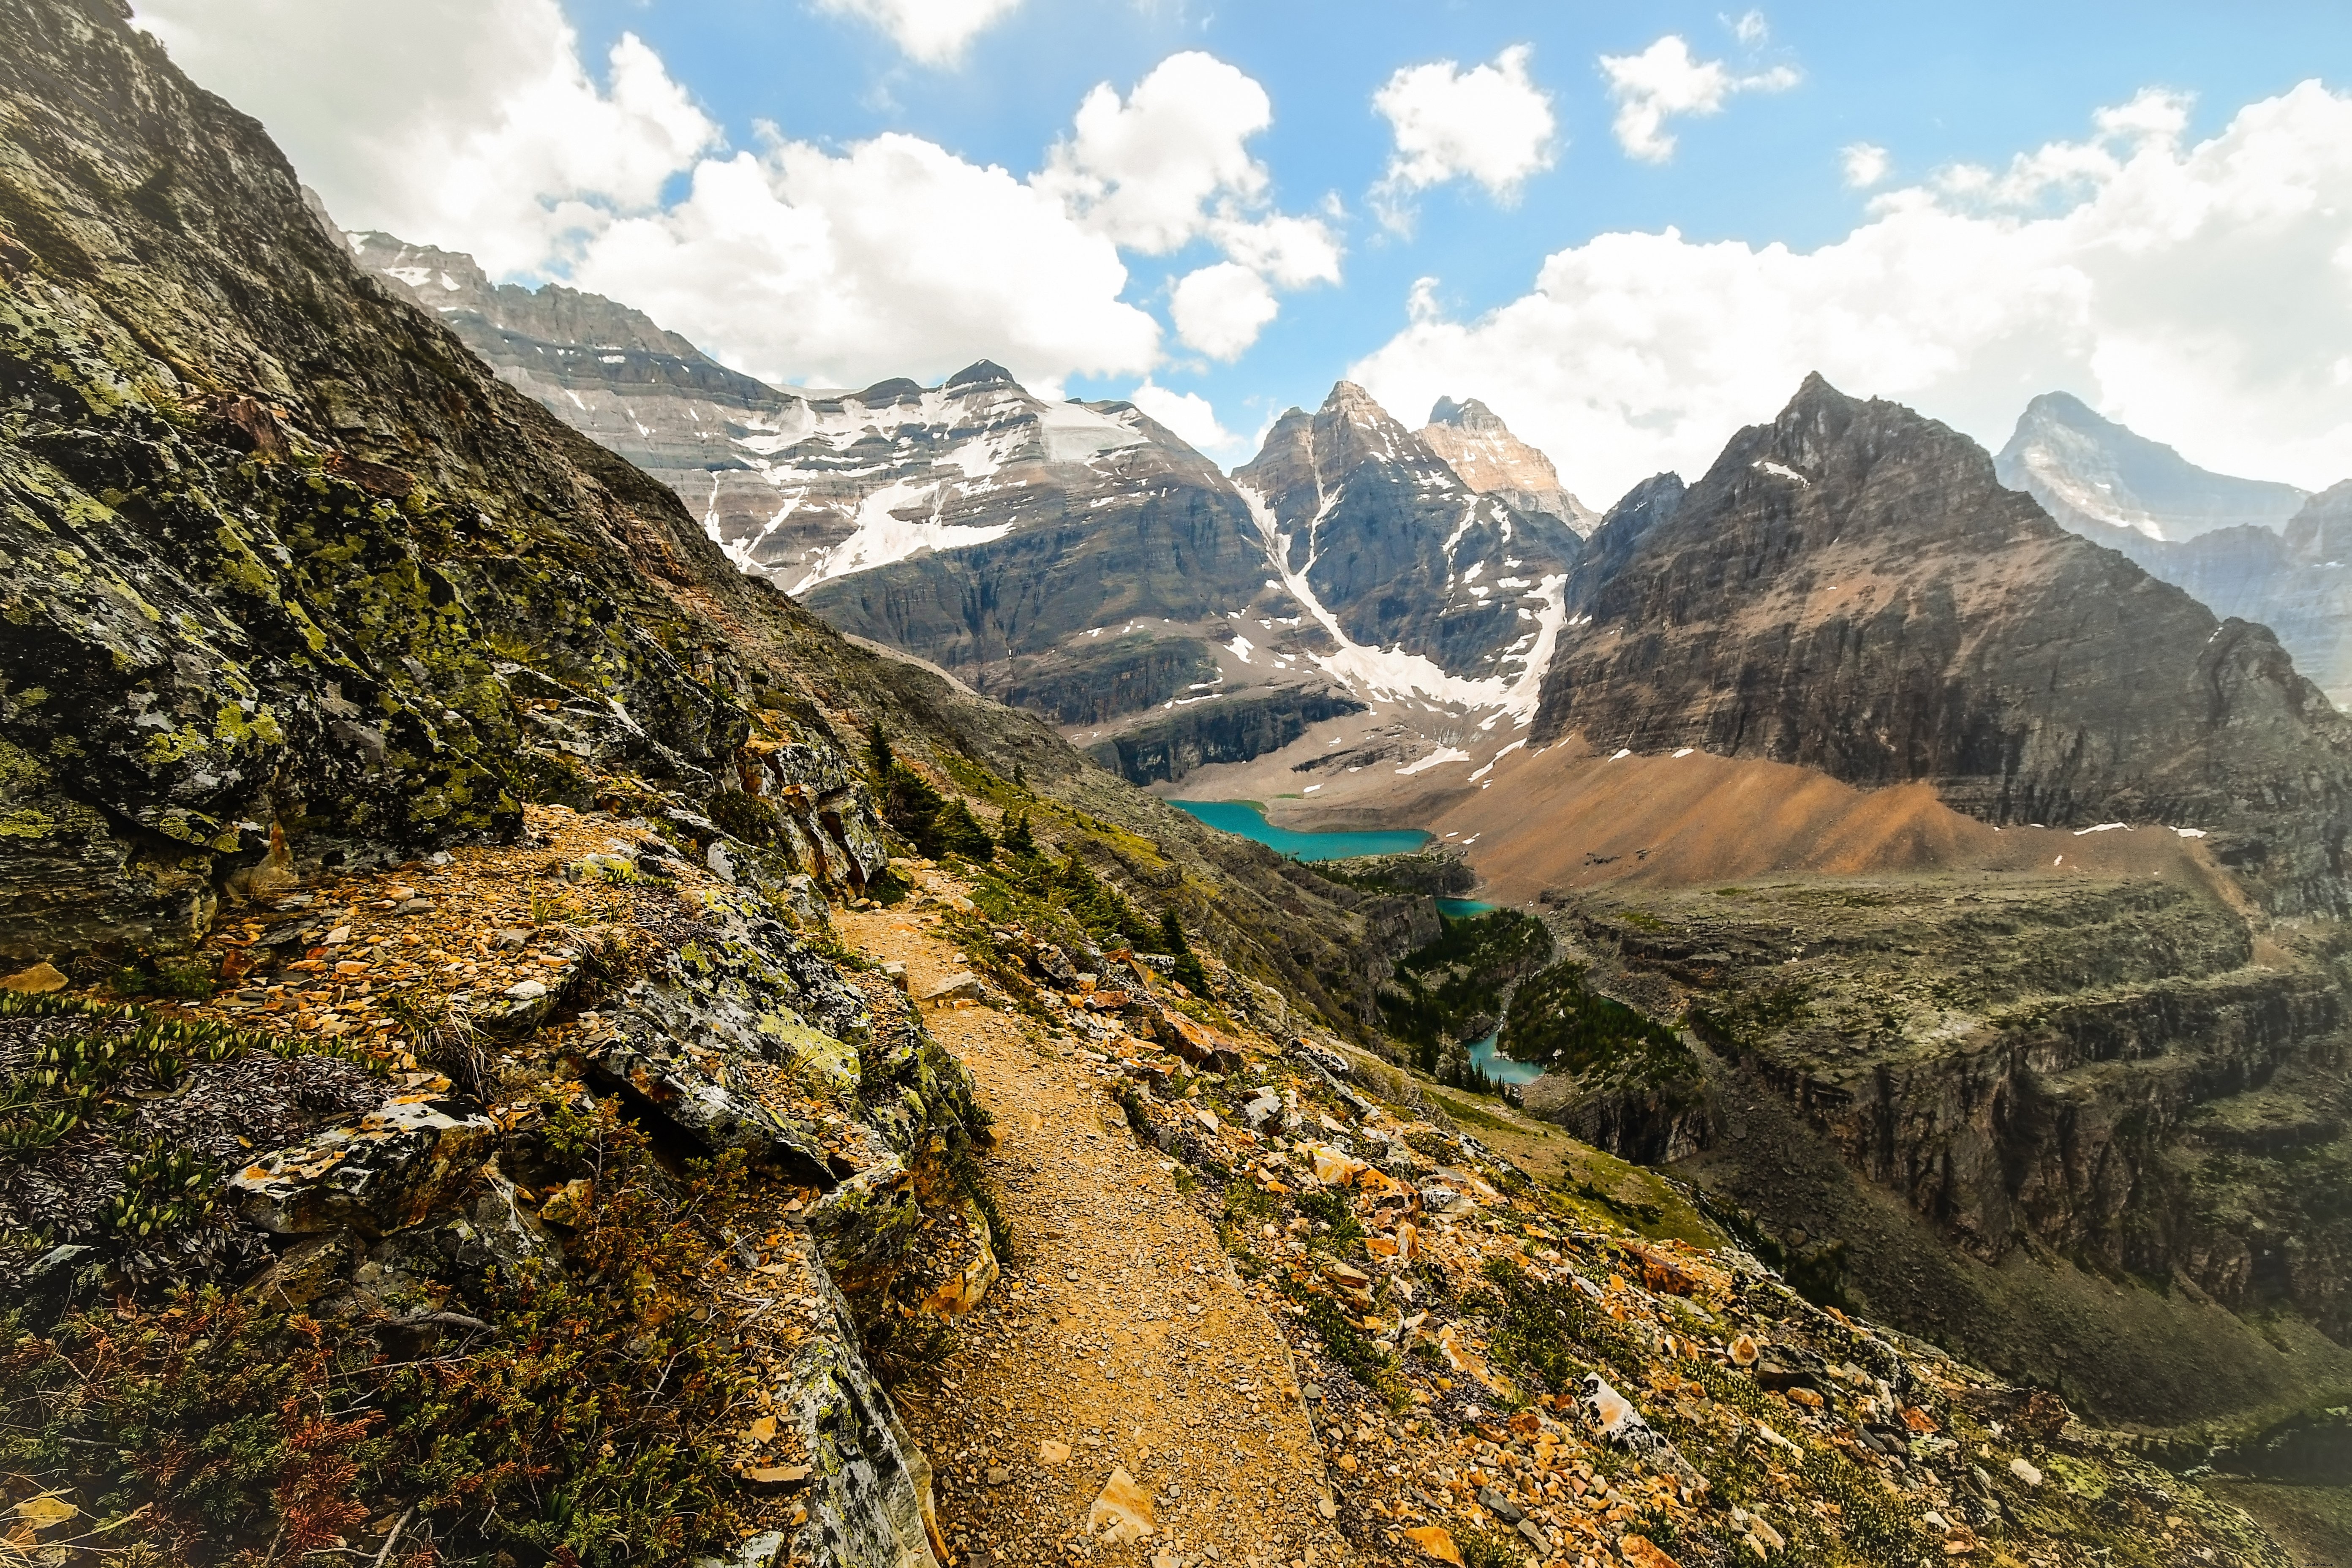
[(1120, 1331), (1566, 818)]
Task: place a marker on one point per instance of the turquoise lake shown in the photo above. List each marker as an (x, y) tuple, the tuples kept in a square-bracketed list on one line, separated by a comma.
[(1240, 817), (1463, 909), (1502, 1069)]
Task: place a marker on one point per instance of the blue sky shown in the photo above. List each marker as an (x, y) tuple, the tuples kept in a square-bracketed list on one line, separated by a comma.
[(1939, 88)]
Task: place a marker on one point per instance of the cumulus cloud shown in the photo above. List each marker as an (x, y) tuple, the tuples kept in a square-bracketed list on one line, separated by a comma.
[(894, 257), (1864, 163), (931, 31), (1666, 80), (1188, 414), (2201, 293), (1149, 170), (474, 124), (1221, 309), (1169, 165), (444, 120), (1489, 123)]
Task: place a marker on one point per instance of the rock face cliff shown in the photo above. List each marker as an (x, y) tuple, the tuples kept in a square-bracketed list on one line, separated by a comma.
[(1849, 589), (2092, 474), (1491, 460), (1398, 554), (1078, 559)]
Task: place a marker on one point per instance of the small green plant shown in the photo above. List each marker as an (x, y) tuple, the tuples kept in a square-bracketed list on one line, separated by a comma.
[(1195, 979), (163, 1189)]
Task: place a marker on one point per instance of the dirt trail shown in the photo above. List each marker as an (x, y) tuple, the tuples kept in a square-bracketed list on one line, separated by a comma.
[(1119, 1332)]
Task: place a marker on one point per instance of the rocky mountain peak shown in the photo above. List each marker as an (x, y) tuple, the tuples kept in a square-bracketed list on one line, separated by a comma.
[(1491, 460), (1855, 558), (2089, 472), (981, 373)]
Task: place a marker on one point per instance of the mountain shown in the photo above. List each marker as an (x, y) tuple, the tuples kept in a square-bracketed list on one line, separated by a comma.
[(1402, 561), (2092, 475), (603, 369), (2246, 548), (1851, 589), (1076, 560), (1491, 460)]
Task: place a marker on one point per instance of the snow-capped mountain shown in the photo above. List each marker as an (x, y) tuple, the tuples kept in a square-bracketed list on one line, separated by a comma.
[(1422, 582), (2255, 549), (1078, 559), (2093, 475), (1481, 449), (606, 369)]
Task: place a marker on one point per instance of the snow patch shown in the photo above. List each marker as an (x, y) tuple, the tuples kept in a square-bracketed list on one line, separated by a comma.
[(1437, 758), (1780, 469), (2103, 827)]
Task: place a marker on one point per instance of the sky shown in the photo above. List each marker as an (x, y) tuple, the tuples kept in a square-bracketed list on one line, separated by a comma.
[(1628, 228)]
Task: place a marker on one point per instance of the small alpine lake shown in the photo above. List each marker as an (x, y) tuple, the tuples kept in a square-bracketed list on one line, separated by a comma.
[(1247, 819), (1500, 1067)]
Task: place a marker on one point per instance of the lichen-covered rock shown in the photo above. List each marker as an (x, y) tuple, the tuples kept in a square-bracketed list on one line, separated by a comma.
[(388, 1171)]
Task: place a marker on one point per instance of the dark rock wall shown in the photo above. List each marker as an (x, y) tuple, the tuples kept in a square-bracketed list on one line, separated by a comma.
[(1165, 750), (1849, 589)]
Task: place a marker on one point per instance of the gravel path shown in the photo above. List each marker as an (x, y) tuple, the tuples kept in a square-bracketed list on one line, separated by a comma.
[(1120, 1334)]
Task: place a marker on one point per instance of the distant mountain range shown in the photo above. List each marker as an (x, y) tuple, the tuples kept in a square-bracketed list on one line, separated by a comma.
[(2249, 547), (1081, 560)]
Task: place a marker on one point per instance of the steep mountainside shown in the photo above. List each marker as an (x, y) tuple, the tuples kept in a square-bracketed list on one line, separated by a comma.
[(1491, 460), (605, 370), (1075, 559), (1400, 556), (2092, 474), (1849, 589), (2296, 580)]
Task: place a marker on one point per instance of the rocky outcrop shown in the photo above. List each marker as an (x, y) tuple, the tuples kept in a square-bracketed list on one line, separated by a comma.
[(2095, 1075), (1396, 547), (2092, 475), (1481, 449), (1849, 589)]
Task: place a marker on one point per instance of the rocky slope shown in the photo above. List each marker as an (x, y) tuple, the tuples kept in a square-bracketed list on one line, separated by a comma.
[(429, 771), (1481, 449), (2093, 475), (1849, 589)]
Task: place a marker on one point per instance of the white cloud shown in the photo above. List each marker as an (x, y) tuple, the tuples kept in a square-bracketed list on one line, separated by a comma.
[(1169, 165), (1489, 123), (1750, 28), (1866, 164), (1221, 309), (1291, 251), (1188, 414), (894, 257), (456, 123), (1147, 170), (932, 31), (2201, 294), (1664, 81), (473, 124)]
